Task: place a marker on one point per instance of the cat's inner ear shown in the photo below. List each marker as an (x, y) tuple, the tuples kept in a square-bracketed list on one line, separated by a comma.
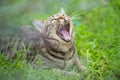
[(39, 25), (61, 11)]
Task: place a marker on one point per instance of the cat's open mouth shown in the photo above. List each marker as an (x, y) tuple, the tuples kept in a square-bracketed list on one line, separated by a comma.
[(64, 32)]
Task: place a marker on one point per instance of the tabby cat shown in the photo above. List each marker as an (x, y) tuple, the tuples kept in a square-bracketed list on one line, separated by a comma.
[(51, 41)]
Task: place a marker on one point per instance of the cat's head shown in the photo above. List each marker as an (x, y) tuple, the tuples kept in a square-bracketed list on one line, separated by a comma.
[(57, 29)]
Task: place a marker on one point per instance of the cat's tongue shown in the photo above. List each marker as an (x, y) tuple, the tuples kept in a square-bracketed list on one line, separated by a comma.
[(65, 35)]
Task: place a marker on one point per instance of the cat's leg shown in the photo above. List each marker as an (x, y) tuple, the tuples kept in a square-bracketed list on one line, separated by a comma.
[(79, 65)]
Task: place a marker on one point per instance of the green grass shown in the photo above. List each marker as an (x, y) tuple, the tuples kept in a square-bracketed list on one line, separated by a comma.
[(97, 40)]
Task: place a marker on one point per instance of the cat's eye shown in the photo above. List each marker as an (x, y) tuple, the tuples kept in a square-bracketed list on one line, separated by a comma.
[(62, 17), (52, 20)]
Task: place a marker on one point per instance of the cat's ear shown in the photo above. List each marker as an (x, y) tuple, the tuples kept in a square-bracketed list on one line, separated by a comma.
[(62, 11), (38, 24)]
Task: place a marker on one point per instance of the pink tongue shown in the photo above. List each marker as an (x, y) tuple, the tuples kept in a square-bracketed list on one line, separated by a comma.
[(65, 35)]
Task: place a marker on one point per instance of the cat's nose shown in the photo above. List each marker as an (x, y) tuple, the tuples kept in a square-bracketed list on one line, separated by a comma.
[(66, 21)]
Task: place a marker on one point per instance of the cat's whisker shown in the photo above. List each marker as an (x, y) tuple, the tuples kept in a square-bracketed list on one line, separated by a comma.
[(78, 14), (74, 18)]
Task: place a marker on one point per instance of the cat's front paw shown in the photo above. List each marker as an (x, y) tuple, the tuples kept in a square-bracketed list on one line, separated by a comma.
[(83, 68)]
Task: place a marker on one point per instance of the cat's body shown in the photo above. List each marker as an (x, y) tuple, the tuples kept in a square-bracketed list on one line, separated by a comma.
[(51, 43)]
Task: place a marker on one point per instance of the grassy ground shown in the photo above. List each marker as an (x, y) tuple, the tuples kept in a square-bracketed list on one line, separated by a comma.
[(97, 41)]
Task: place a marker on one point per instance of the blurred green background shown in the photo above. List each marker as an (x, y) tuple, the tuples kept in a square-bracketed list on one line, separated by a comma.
[(97, 36), (16, 13)]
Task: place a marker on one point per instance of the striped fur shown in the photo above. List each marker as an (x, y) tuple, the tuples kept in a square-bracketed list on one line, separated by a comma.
[(45, 43)]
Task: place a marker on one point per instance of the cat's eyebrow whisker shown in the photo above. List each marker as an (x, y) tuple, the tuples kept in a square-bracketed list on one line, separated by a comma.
[(79, 14), (73, 18), (75, 13)]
